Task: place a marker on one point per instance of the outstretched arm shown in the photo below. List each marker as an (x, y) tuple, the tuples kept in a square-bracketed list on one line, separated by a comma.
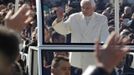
[(59, 25)]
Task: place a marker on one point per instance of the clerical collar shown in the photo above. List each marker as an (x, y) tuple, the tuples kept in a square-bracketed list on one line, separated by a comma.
[(88, 19)]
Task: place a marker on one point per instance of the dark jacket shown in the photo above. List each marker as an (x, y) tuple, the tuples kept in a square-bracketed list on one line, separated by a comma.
[(76, 70)]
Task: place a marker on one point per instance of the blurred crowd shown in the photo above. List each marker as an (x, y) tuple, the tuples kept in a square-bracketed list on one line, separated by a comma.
[(26, 31), (29, 31)]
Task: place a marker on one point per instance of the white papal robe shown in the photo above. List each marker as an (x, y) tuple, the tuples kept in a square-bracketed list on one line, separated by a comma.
[(83, 32)]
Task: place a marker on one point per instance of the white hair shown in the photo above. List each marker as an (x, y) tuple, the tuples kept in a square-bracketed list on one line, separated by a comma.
[(93, 4)]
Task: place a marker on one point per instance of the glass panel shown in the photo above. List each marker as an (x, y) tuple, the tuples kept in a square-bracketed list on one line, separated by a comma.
[(84, 27), (79, 60), (75, 61), (80, 28)]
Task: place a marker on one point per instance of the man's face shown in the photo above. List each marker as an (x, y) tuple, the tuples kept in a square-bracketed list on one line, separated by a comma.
[(87, 9), (63, 69)]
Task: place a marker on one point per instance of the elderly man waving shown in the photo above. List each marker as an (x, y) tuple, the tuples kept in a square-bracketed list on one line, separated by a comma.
[(85, 27)]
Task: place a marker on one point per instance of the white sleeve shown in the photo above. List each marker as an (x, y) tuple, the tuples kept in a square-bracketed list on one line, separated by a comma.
[(62, 27), (104, 30)]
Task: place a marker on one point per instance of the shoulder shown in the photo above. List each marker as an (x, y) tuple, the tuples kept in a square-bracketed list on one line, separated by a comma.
[(76, 70), (73, 67), (76, 15), (46, 70), (130, 71), (97, 15)]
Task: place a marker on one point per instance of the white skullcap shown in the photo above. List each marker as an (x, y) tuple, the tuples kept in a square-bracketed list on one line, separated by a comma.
[(90, 1)]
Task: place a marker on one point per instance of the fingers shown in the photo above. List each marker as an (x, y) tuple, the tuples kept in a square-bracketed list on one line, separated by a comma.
[(123, 51), (28, 20), (9, 14), (28, 17), (29, 12), (126, 41), (22, 11), (119, 42), (115, 40), (111, 40), (123, 40)]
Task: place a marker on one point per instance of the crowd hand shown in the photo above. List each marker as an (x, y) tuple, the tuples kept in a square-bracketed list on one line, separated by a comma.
[(48, 34), (59, 13), (112, 52), (19, 19)]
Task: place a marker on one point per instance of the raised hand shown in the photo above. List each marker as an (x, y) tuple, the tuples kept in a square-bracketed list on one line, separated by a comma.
[(112, 52), (19, 19)]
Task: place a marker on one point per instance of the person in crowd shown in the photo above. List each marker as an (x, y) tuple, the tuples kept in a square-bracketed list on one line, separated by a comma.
[(126, 16), (129, 30), (33, 41), (50, 17), (47, 68), (9, 51), (107, 12), (128, 62), (17, 69), (124, 67), (74, 70), (60, 66), (127, 12), (111, 25), (101, 5), (109, 55), (9, 41)]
